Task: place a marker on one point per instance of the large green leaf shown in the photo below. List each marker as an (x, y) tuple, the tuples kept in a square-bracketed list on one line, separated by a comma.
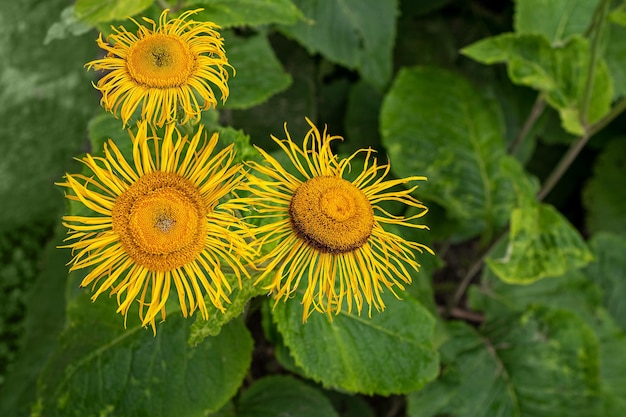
[(576, 292), (609, 272), (43, 321), (435, 123), (358, 34), (560, 72), (227, 13), (391, 352), (283, 396), (542, 243), (101, 368), (556, 19), (95, 11), (46, 100), (604, 195), (260, 74), (615, 56), (542, 363)]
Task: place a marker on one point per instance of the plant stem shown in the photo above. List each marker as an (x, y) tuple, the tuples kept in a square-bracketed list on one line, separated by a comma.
[(563, 165), (535, 112), (599, 19), (475, 268)]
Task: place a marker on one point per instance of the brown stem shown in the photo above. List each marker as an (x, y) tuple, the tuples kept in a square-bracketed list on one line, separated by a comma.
[(535, 112)]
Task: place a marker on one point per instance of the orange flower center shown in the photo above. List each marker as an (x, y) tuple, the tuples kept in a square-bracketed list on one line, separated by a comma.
[(331, 214), (161, 221), (160, 61)]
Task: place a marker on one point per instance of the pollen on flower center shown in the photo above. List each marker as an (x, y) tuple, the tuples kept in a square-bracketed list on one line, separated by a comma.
[(161, 221), (331, 214), (160, 61)]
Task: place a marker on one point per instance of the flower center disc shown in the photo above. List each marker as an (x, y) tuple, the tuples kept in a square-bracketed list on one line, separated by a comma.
[(331, 214), (161, 221), (160, 61)]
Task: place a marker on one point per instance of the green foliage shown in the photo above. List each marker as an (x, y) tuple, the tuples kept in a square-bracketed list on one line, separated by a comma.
[(542, 243), (260, 74), (96, 11), (539, 363), (357, 34), (282, 395), (557, 20), (102, 366), (603, 195), (559, 72), (415, 81), (384, 354), (228, 13), (457, 136)]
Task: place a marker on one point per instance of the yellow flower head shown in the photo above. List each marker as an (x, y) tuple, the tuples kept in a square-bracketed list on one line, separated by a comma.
[(158, 221), (327, 230), (167, 69)]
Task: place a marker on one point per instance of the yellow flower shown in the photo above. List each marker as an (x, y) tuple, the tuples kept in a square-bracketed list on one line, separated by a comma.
[(158, 221), (167, 70), (327, 231)]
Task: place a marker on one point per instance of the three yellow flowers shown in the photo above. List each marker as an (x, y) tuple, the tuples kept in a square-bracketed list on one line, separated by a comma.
[(176, 215)]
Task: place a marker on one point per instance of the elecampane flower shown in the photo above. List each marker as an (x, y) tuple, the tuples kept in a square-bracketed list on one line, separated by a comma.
[(159, 222), (167, 69), (328, 231)]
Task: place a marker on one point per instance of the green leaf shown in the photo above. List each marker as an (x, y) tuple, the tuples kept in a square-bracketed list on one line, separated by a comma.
[(609, 271), (358, 34), (43, 322), (435, 123), (559, 72), (260, 74), (615, 56), (541, 363), (101, 368), (558, 20), (618, 15), (604, 195), (46, 100), (289, 106), (67, 26), (391, 352), (283, 396), (95, 11), (239, 298), (542, 243), (576, 292), (228, 13)]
